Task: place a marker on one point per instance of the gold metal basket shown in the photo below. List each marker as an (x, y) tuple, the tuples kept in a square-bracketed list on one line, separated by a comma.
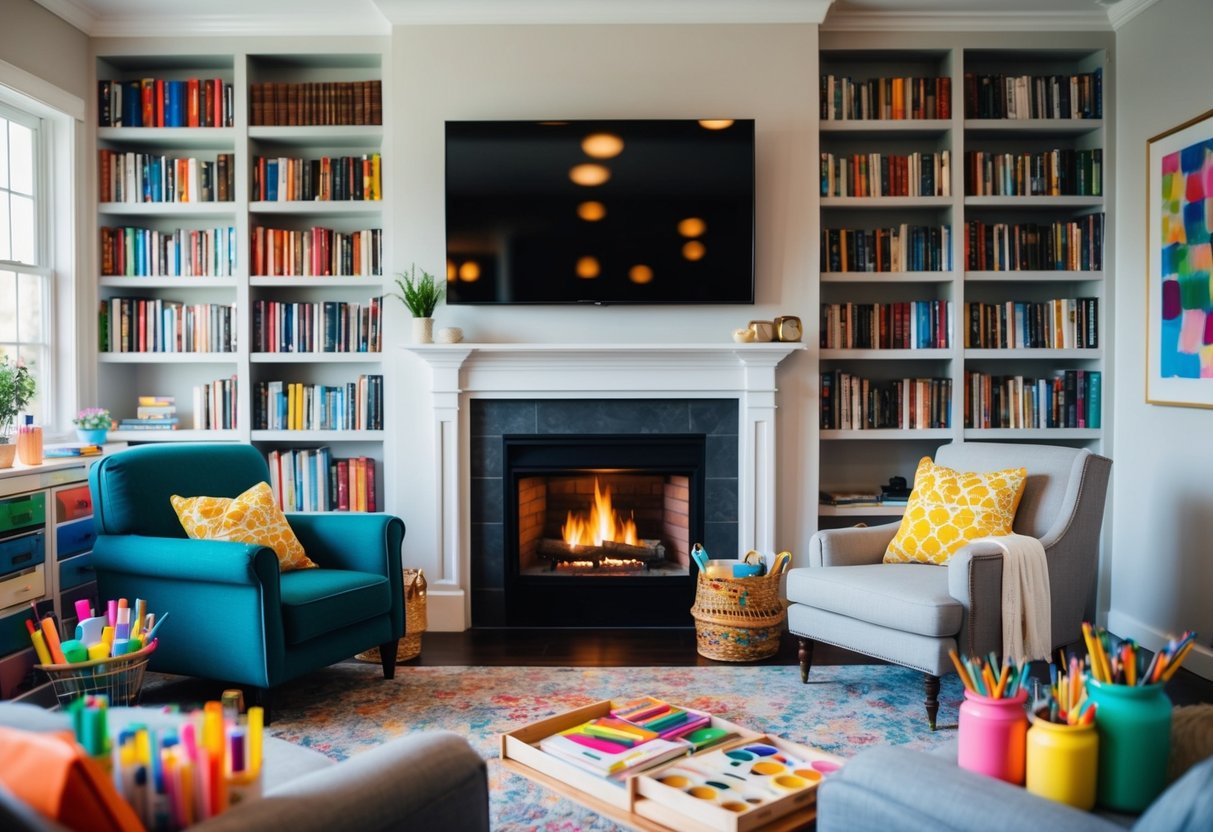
[(120, 678), (414, 620)]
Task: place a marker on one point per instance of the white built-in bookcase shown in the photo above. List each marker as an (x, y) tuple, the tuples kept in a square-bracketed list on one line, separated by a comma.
[(865, 459)]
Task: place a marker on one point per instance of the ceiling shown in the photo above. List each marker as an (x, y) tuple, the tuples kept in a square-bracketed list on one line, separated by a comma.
[(208, 17)]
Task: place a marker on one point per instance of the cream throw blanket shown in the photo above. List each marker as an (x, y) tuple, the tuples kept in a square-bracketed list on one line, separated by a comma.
[(1027, 630)]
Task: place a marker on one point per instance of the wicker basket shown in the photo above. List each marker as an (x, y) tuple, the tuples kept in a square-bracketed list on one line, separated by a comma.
[(119, 678), (414, 620), (738, 619)]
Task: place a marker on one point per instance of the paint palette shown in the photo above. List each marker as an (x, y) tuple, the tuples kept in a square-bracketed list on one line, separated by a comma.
[(742, 786)]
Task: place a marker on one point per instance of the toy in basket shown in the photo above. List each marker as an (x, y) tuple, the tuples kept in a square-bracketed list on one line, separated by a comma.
[(738, 619)]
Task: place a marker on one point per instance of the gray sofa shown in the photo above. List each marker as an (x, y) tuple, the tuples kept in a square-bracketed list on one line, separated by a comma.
[(428, 780), (891, 789)]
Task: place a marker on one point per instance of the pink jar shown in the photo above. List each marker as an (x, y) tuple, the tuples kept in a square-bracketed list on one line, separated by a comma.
[(993, 736)]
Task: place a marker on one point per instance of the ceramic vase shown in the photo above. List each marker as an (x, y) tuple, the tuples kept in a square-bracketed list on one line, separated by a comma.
[(993, 736), (91, 436), (1134, 726), (423, 330), (8, 452)]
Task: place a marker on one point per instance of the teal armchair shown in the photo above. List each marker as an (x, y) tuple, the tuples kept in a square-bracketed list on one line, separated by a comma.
[(233, 616)]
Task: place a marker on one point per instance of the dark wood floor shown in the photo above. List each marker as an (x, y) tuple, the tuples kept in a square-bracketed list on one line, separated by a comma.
[(672, 647)]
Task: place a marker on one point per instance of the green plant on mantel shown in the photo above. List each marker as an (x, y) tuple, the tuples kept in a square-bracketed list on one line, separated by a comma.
[(419, 294), (17, 388)]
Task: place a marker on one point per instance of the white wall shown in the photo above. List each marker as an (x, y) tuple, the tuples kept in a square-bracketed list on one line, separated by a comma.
[(45, 45), (1162, 508), (767, 73)]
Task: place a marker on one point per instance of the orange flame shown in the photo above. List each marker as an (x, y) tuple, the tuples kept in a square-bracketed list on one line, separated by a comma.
[(602, 523)]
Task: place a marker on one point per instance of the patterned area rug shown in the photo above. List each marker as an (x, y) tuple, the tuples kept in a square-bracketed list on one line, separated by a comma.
[(349, 708)]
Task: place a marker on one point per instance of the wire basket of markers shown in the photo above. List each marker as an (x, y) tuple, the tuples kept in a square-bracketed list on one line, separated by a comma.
[(119, 678)]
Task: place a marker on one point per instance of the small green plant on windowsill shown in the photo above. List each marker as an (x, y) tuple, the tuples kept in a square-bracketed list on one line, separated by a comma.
[(17, 389), (419, 294)]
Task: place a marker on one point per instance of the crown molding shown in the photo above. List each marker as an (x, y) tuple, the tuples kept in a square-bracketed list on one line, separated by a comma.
[(1096, 21), (1121, 12), (293, 25), (427, 12), (72, 12)]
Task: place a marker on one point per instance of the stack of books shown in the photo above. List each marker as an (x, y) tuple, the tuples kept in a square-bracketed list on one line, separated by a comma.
[(152, 413), (612, 747)]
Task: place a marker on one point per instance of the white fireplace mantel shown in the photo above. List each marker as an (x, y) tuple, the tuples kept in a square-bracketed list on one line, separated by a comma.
[(745, 372)]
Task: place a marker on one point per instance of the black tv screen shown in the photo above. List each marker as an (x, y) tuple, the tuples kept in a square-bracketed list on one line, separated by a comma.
[(604, 212)]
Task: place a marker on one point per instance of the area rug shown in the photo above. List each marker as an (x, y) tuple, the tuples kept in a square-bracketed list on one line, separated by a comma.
[(349, 708)]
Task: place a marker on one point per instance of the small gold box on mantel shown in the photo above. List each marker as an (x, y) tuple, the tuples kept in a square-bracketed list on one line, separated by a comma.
[(788, 328)]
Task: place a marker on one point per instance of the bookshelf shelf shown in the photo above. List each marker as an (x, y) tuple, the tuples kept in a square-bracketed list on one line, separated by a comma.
[(865, 65), (255, 74)]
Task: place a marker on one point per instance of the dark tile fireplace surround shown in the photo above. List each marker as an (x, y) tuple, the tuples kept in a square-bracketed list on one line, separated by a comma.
[(500, 598)]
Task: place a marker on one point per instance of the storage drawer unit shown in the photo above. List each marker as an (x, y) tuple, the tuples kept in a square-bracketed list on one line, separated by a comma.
[(75, 571), (21, 552), (22, 512), (74, 537), (73, 503), (23, 587)]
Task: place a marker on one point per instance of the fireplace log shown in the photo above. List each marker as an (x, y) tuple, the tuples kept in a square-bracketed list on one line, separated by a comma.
[(652, 550), (558, 550)]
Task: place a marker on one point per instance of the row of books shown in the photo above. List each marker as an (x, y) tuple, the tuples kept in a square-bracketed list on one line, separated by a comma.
[(842, 97), (851, 402), (853, 497), (317, 251), (355, 405), (1062, 172), (901, 248), (133, 324), (148, 177), (284, 178), (215, 404), (1075, 96), (1069, 399), (316, 103), (181, 252), (312, 479), (159, 102), (906, 325), (328, 326), (887, 174), (1061, 323), (1068, 245)]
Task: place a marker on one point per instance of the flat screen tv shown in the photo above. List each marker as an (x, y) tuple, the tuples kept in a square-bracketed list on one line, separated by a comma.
[(600, 212)]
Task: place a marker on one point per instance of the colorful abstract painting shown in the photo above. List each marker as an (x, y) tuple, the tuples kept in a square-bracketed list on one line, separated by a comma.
[(1180, 300)]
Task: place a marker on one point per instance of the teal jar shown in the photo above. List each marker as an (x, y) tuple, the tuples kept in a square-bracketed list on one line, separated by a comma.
[(1134, 725)]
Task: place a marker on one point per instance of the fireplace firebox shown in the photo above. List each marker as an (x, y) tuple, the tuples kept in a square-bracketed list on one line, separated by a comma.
[(599, 528)]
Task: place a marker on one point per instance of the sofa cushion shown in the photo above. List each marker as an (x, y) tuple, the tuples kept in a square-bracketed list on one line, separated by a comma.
[(948, 508), (910, 597), (251, 517), (318, 601), (1187, 806)]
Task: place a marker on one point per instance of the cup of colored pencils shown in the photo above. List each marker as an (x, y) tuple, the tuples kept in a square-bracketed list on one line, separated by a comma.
[(1066, 700), (1124, 662), (986, 676)]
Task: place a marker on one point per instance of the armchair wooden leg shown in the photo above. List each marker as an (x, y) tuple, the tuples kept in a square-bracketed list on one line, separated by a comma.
[(387, 657), (931, 683), (804, 652)]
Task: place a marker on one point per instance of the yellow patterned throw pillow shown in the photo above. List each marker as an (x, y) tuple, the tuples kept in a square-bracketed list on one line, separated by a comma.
[(252, 517), (949, 508)]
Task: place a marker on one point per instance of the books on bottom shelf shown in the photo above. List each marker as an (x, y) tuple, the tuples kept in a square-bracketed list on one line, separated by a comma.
[(311, 479)]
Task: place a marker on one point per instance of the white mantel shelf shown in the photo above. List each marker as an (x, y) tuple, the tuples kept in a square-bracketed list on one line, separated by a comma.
[(745, 372)]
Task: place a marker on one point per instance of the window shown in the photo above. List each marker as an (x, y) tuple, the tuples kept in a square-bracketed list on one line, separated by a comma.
[(25, 275)]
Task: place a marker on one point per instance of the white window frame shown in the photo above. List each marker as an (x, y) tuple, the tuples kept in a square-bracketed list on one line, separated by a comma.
[(70, 344)]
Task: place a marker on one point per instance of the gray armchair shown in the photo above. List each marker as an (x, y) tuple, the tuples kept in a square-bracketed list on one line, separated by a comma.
[(912, 614)]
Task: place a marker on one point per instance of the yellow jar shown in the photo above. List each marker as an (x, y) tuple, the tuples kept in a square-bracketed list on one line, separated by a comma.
[(1062, 762)]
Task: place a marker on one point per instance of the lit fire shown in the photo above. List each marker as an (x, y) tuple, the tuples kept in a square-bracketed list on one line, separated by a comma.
[(604, 563), (602, 523)]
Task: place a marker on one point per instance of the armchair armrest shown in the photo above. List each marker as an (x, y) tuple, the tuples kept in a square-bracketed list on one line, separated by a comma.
[(896, 788), (349, 540), (975, 580), (430, 780), (856, 546), (181, 559)]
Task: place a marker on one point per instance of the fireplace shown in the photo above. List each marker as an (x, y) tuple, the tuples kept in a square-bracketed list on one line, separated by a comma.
[(599, 528)]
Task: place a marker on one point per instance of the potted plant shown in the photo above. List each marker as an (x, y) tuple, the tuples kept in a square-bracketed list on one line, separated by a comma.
[(17, 388), (420, 295), (92, 424)]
